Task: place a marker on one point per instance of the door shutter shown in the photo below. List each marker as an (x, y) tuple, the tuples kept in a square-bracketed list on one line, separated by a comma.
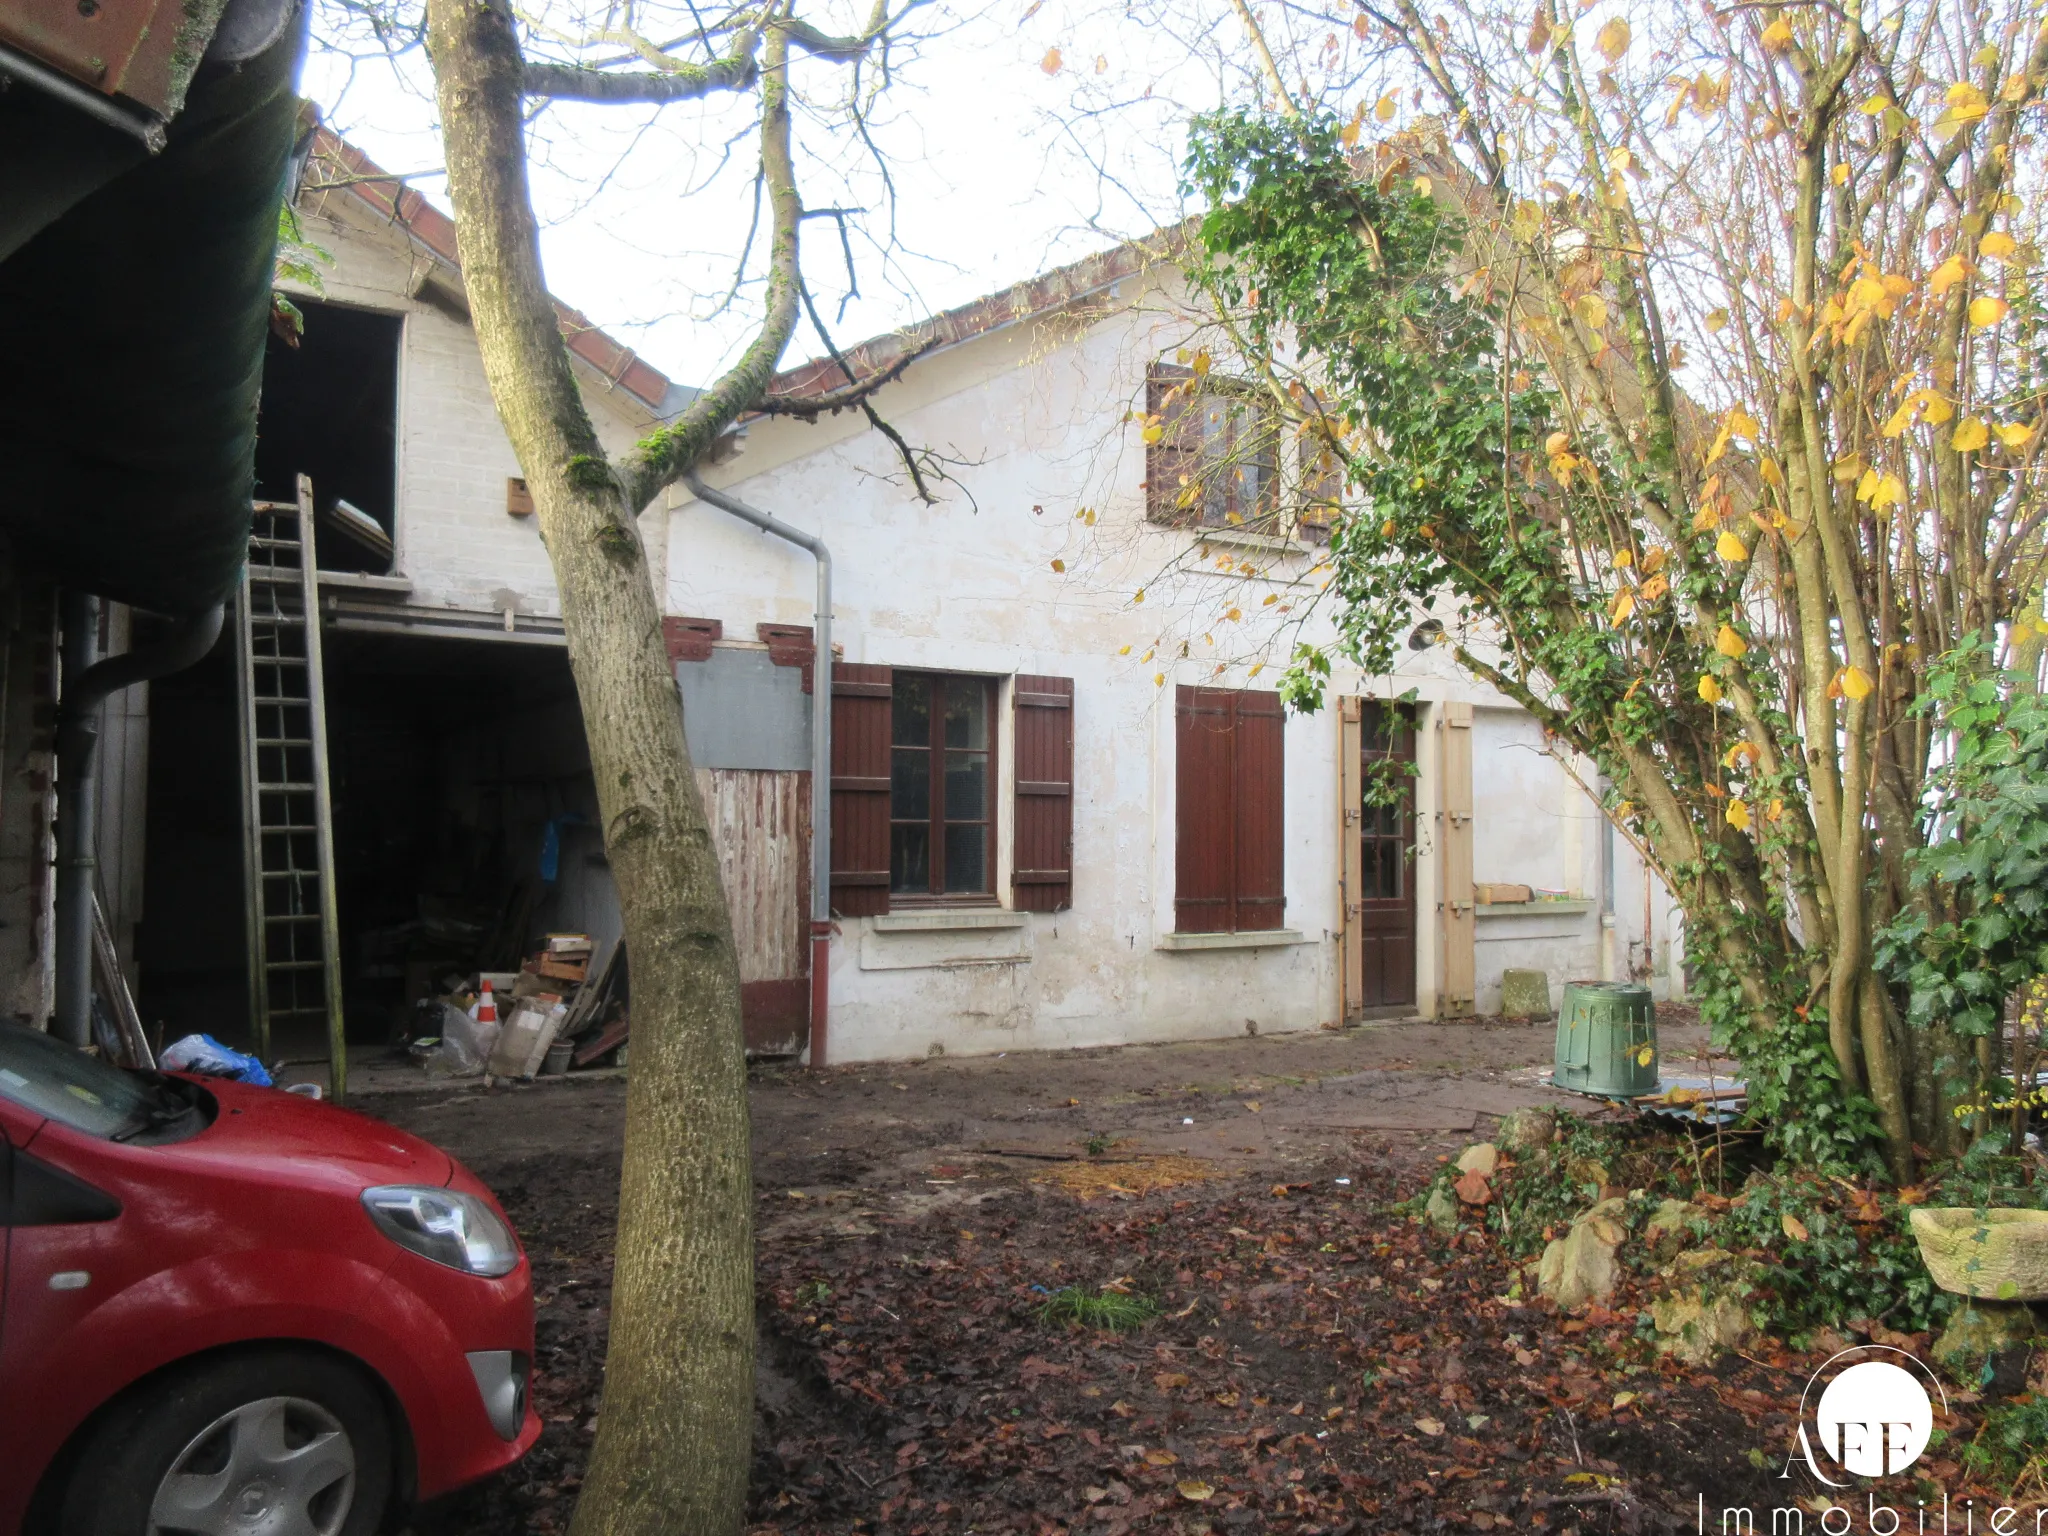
[(860, 789), (1259, 781), (1351, 860), (1176, 456), (1042, 874), (1454, 794)]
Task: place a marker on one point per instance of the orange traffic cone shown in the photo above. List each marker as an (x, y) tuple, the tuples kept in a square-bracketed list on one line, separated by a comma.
[(487, 1007)]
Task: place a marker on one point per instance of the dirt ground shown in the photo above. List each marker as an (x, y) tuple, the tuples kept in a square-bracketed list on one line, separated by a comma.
[(1318, 1362)]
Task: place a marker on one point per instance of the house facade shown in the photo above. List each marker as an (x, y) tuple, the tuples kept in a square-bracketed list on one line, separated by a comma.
[(1068, 807)]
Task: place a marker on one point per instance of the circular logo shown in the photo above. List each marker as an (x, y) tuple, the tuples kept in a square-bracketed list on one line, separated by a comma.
[(1874, 1419)]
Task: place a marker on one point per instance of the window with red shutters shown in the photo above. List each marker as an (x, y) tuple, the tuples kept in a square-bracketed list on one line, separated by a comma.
[(1211, 452), (1042, 875), (860, 789), (1230, 856)]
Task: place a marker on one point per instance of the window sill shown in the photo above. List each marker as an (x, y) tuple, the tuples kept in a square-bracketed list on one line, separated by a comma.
[(1267, 938), (949, 920), (1532, 908), (1240, 539)]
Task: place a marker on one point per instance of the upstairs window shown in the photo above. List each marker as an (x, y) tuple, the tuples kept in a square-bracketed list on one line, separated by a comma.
[(1212, 455)]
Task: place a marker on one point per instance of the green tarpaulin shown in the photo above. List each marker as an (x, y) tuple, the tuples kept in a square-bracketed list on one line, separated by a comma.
[(132, 330)]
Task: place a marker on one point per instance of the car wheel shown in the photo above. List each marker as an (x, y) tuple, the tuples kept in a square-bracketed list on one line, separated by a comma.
[(272, 1444)]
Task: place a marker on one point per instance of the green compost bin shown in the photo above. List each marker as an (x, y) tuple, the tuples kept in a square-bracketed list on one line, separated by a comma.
[(1607, 1039)]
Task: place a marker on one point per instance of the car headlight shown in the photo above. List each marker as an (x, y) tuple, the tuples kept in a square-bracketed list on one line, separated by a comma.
[(444, 1225)]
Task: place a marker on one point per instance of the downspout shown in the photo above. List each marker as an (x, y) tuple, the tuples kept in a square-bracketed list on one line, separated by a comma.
[(821, 748), (1607, 934), (86, 685)]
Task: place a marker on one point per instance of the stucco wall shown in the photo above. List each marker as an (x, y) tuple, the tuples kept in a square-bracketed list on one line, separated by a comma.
[(456, 543), (1009, 573)]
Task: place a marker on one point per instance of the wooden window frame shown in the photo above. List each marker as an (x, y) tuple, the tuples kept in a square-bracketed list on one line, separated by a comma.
[(1174, 455), (936, 821)]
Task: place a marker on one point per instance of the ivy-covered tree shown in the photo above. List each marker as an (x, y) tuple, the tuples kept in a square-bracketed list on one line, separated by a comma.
[(1701, 365)]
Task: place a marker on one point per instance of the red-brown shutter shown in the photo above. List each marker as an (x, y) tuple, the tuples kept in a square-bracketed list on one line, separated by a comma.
[(1042, 874), (860, 789), (1229, 772), (1259, 782), (1176, 456), (1203, 718)]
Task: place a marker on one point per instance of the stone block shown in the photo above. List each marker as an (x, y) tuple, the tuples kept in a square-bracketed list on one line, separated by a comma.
[(1524, 994), (1580, 1266)]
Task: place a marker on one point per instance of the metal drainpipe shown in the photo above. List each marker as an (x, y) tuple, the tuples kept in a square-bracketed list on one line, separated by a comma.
[(86, 685), (821, 748), (1608, 969)]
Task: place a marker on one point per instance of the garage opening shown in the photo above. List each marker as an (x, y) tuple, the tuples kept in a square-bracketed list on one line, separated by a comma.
[(330, 411), (465, 828)]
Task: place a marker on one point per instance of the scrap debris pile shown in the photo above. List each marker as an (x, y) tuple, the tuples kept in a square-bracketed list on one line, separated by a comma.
[(562, 1009)]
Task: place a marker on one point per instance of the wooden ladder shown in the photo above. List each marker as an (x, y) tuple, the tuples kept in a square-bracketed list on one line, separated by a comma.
[(294, 943)]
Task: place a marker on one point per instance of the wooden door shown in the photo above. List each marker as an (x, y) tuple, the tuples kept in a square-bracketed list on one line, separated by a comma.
[(1379, 858)]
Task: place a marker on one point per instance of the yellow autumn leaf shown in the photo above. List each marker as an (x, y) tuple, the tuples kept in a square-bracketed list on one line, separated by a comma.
[(1738, 815), (1138, 596), (1717, 320), (1051, 62), (1158, 679), (1612, 40), (1149, 654), (1866, 487), (1997, 245), (1233, 616), (1934, 406), (1889, 492), (1793, 1227), (1778, 35), (1855, 682), (1624, 604), (1556, 443), (1387, 529), (1965, 102), (1777, 810), (1196, 1492), (1624, 557), (1730, 548), (1986, 311), (1270, 599), (1947, 275), (1710, 691), (1124, 651), (1970, 436), (1729, 643), (1383, 109), (2014, 434), (1741, 424), (1873, 106), (1591, 310)]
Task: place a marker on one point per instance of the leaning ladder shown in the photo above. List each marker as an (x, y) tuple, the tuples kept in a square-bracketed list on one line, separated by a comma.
[(287, 810)]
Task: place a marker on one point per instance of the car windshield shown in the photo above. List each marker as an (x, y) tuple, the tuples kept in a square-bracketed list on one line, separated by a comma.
[(47, 1077)]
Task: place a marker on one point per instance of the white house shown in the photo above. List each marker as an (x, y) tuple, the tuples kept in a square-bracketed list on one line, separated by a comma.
[(1068, 808)]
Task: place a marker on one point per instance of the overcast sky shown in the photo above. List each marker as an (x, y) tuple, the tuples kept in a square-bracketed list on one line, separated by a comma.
[(1006, 159)]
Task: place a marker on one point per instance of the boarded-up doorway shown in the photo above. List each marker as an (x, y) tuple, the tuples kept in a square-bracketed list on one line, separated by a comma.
[(1379, 857)]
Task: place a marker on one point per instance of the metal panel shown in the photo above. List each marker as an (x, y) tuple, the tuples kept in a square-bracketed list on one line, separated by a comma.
[(1454, 759), (742, 710)]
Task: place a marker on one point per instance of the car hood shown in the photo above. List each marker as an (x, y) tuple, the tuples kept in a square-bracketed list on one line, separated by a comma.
[(260, 1131)]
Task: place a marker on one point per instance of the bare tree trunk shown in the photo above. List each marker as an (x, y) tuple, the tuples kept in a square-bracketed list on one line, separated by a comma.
[(675, 1433)]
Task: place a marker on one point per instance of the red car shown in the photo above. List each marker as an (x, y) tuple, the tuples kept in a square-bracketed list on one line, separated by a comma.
[(226, 1309)]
